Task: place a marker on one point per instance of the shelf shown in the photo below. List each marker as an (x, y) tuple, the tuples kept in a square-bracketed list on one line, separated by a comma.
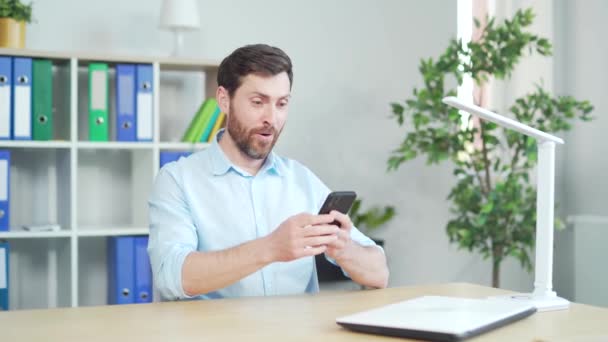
[(112, 231), (182, 146), (166, 63), (41, 274), (36, 54), (40, 188), (114, 145), (35, 144), (187, 64), (24, 234), (92, 189), (113, 187), (83, 232)]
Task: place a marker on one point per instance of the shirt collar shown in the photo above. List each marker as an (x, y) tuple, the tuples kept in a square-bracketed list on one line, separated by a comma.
[(220, 163)]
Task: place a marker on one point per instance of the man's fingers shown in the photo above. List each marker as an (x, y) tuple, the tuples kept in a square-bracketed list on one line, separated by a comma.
[(340, 241), (324, 229), (343, 219), (337, 244), (312, 220), (319, 240), (313, 251)]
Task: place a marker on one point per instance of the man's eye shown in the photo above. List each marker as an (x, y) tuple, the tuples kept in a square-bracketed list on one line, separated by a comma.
[(257, 102)]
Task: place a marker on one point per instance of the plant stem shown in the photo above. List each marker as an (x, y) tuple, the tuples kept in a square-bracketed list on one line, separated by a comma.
[(508, 231), (496, 260), (516, 155), (473, 165), (480, 180), (478, 101), (496, 275), (486, 162), (484, 191)]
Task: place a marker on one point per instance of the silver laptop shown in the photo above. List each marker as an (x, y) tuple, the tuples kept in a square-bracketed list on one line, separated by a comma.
[(437, 318)]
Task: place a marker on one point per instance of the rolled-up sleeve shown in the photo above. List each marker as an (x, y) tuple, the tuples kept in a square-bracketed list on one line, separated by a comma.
[(172, 234)]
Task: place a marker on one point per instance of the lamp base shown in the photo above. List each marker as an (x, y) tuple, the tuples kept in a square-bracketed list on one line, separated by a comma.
[(548, 302), (178, 43)]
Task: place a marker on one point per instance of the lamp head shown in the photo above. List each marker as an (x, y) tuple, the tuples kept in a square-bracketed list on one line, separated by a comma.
[(501, 120), (179, 15)]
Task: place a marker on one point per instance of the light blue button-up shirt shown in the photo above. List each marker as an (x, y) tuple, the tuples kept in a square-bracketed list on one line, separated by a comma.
[(206, 203)]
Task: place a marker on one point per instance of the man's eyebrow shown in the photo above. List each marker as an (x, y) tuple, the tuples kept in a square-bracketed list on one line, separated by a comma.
[(265, 96)]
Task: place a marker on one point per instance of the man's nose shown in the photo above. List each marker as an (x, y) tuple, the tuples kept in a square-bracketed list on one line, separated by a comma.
[(270, 114)]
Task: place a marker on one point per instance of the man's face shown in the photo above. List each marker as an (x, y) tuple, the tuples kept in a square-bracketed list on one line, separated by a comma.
[(257, 114)]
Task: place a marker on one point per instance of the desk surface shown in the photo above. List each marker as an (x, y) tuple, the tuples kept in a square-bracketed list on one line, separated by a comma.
[(301, 318)]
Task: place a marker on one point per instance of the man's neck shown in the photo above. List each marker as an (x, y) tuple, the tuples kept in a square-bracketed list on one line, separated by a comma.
[(237, 157)]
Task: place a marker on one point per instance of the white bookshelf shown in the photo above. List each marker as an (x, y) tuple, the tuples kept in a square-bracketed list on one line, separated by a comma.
[(35, 144), (114, 145), (93, 190), (112, 231), (35, 235)]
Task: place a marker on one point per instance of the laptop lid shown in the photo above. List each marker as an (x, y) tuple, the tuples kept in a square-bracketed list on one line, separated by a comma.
[(438, 318)]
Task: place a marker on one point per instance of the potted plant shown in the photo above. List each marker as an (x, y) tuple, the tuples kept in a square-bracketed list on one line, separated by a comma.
[(13, 16), (367, 222), (494, 200)]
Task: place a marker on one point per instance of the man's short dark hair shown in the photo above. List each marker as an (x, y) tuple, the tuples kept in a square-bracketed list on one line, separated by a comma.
[(252, 59)]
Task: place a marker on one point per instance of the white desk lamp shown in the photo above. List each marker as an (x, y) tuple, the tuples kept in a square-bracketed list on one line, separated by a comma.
[(179, 16), (543, 297)]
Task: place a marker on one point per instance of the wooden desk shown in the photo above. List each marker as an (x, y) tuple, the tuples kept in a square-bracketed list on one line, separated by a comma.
[(298, 318)]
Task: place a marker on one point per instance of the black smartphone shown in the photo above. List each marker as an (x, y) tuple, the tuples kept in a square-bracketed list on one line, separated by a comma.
[(340, 201)]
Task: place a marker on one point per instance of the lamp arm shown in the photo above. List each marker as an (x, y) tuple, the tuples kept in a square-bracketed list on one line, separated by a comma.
[(543, 283)]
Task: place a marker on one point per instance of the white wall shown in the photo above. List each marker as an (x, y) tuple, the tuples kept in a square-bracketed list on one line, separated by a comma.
[(352, 58), (581, 71), (584, 74)]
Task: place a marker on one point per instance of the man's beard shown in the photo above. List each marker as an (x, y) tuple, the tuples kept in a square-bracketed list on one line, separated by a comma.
[(246, 140)]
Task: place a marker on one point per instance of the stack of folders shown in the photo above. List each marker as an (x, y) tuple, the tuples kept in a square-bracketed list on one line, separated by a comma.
[(4, 264), (134, 102), (129, 272), (5, 181), (205, 123), (26, 98)]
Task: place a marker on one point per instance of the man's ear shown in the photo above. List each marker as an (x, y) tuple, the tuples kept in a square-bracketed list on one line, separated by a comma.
[(223, 99)]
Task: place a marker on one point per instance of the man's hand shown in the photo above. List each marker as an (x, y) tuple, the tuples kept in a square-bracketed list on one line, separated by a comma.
[(300, 236), (336, 249), (366, 265)]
